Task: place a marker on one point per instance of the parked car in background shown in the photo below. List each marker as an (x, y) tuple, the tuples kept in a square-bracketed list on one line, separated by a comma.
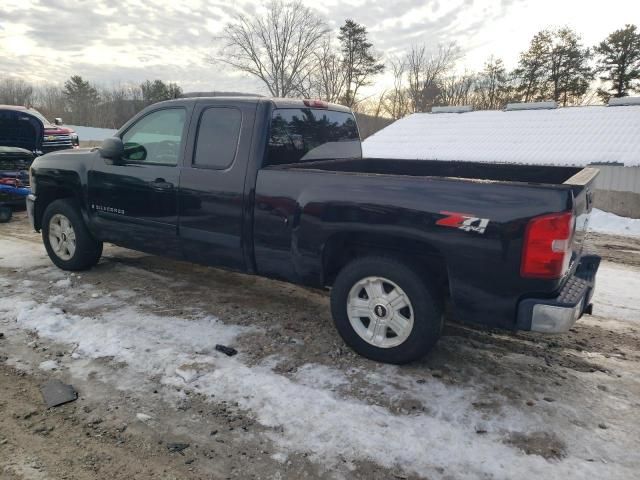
[(21, 136), (279, 188), (55, 136)]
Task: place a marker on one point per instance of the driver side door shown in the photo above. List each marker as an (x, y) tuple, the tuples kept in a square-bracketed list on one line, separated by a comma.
[(134, 202)]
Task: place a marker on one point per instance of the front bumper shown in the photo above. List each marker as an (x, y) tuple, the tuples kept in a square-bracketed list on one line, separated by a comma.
[(558, 314), (31, 210)]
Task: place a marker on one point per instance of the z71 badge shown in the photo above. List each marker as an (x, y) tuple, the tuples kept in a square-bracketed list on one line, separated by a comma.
[(463, 221)]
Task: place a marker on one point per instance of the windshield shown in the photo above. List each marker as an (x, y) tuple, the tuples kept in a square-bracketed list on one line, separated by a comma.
[(39, 116)]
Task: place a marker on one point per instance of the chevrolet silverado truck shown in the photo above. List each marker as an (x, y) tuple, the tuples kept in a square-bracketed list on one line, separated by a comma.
[(55, 136), (279, 188)]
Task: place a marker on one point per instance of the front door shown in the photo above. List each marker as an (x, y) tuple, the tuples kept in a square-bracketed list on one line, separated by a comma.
[(134, 202)]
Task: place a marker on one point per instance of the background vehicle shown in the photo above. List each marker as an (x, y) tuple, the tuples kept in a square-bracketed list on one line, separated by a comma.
[(278, 188), (20, 138), (55, 136)]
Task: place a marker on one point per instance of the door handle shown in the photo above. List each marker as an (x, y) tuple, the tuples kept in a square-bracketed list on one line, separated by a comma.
[(161, 184)]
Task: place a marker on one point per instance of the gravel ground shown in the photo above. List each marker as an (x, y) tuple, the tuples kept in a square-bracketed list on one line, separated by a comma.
[(295, 402)]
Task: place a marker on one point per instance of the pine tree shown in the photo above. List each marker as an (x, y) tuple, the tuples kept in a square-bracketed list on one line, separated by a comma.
[(493, 87), (158, 91), (81, 97), (569, 70), (619, 62), (532, 72), (359, 62)]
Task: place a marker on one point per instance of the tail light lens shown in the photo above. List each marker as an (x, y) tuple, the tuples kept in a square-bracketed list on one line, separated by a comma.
[(547, 246)]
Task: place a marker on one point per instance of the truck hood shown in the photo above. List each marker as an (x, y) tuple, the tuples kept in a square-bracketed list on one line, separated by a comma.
[(20, 129), (55, 130)]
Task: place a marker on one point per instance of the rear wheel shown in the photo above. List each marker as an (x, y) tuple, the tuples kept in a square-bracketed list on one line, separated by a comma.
[(385, 310), (67, 239)]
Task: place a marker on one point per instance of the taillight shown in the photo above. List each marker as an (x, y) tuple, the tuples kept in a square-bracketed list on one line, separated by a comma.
[(547, 246)]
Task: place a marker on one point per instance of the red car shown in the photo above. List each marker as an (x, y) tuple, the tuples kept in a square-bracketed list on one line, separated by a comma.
[(56, 137)]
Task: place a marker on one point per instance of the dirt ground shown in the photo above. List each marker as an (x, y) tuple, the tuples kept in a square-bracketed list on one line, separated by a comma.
[(483, 404)]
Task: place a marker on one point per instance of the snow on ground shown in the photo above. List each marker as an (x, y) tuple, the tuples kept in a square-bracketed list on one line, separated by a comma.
[(92, 134), (617, 293), (307, 413), (612, 224)]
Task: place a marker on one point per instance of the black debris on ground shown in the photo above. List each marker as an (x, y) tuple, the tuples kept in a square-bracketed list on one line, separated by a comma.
[(226, 350), (177, 447), (55, 393)]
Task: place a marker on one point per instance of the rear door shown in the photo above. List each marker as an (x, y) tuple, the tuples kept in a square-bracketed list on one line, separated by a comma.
[(212, 195), (135, 202)]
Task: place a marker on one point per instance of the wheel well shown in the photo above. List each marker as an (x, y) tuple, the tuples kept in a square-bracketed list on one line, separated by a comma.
[(46, 197), (343, 248)]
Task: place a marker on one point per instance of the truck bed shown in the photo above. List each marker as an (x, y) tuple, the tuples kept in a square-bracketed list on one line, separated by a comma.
[(498, 172)]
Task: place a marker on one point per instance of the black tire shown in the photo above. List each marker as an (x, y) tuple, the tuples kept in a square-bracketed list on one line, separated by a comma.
[(5, 214), (88, 250), (426, 302)]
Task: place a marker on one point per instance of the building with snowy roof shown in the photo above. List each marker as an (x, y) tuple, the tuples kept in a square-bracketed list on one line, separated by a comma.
[(535, 134)]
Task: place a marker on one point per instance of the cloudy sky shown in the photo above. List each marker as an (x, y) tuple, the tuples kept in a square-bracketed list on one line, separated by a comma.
[(131, 40)]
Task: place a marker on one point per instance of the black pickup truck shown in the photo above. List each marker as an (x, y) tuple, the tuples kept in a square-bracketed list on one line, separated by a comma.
[(279, 188)]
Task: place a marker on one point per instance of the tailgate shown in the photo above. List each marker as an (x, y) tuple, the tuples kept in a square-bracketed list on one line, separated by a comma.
[(582, 186)]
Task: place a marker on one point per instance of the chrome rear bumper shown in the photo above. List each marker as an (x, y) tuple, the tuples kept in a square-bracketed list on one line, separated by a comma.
[(558, 314)]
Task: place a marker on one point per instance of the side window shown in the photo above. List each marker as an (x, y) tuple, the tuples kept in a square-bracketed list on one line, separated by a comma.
[(217, 141), (155, 138), (306, 134)]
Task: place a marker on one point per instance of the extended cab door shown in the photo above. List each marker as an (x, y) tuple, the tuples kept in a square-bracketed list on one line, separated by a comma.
[(212, 195), (134, 202)]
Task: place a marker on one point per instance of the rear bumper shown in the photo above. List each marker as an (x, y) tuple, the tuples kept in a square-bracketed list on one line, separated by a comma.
[(31, 209), (558, 314)]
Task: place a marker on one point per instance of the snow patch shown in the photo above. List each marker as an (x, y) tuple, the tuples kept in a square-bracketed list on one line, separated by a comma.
[(143, 417), (612, 224), (49, 365), (22, 255), (617, 293), (92, 134)]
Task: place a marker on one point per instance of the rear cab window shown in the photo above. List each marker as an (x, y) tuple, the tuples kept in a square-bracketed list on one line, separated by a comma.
[(217, 138), (307, 134)]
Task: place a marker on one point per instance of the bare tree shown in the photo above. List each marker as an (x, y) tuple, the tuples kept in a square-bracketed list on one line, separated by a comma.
[(372, 105), (277, 47), (425, 69), (15, 92), (50, 100), (396, 102), (457, 89), (326, 80)]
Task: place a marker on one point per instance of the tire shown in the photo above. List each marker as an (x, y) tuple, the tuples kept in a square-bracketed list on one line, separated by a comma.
[(67, 239), (5, 214), (407, 300)]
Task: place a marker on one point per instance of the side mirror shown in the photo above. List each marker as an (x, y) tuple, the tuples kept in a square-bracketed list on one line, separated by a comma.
[(57, 121), (112, 149)]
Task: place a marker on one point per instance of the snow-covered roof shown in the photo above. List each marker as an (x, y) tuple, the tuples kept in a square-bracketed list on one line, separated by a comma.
[(564, 136)]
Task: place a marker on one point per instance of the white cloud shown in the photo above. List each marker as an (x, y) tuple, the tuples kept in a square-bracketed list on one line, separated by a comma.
[(49, 41)]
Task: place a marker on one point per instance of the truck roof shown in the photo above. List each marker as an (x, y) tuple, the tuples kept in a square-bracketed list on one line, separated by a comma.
[(277, 102)]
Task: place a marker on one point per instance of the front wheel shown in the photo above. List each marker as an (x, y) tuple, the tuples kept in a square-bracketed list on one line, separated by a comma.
[(385, 310), (67, 239)]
